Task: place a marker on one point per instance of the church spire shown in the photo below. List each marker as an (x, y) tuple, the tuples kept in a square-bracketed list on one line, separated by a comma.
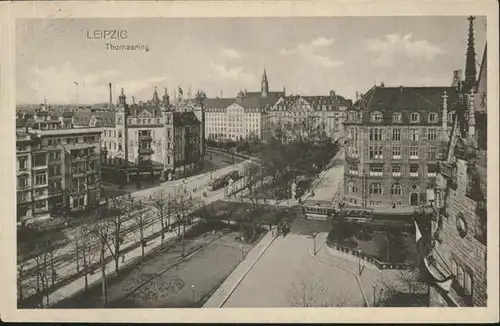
[(470, 63), (264, 85)]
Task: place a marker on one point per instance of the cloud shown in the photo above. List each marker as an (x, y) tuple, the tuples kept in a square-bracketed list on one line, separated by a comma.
[(64, 84), (285, 52), (236, 73), (231, 53), (322, 41), (391, 46), (310, 53)]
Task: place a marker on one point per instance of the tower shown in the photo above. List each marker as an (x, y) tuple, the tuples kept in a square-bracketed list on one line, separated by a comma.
[(121, 98), (264, 88), (166, 99), (155, 100), (470, 61), (110, 103)]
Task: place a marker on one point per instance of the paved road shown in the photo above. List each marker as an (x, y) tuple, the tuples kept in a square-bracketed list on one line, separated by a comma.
[(330, 180), (65, 258), (288, 264)]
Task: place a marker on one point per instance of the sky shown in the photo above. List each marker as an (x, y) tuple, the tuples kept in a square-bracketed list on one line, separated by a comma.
[(56, 60)]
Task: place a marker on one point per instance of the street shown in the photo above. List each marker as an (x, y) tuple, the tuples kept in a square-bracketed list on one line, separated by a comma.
[(65, 256)]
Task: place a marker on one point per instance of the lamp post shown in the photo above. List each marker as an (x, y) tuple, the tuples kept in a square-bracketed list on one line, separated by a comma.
[(192, 288), (314, 238), (374, 289), (359, 261)]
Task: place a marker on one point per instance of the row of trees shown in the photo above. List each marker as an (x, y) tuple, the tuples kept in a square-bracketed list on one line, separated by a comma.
[(123, 219)]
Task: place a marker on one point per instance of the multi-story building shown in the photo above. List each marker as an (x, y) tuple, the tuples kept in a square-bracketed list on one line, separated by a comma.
[(394, 144), (242, 117), (305, 113), (457, 257), (59, 166), (148, 138)]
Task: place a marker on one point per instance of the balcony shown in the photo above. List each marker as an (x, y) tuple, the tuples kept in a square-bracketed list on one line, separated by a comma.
[(40, 185), (396, 174), (145, 151), (24, 198), (446, 170), (23, 170), (40, 167), (41, 195), (413, 174), (145, 137), (431, 174)]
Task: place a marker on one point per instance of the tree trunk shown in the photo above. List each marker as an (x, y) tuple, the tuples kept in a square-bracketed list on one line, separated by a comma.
[(182, 240), (162, 222), (103, 271)]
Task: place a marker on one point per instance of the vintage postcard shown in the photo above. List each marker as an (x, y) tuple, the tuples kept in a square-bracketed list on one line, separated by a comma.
[(161, 160)]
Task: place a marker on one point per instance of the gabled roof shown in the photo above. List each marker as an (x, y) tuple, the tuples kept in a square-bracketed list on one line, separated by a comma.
[(187, 118)]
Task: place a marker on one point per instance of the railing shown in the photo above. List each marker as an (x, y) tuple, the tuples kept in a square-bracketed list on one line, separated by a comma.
[(367, 258), (446, 170)]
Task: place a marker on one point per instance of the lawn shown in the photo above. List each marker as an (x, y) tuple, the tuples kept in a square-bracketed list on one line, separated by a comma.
[(384, 242), (163, 280)]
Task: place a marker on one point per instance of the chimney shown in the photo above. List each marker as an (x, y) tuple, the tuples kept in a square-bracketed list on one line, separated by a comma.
[(110, 104), (401, 88), (357, 95), (382, 84)]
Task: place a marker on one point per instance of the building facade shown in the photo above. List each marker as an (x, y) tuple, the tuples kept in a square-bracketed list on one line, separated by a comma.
[(242, 117), (457, 259), (153, 138), (58, 166), (305, 113), (395, 140)]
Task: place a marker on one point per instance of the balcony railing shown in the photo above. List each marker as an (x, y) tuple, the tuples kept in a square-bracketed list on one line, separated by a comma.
[(40, 167), (413, 174), (396, 174), (24, 197), (446, 170)]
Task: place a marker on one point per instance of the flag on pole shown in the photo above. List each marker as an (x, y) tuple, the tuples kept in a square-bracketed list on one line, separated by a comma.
[(180, 92)]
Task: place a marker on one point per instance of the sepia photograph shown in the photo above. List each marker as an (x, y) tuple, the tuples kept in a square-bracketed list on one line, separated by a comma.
[(251, 162)]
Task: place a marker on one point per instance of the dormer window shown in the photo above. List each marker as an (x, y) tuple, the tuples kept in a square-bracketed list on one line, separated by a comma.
[(415, 117), (397, 117), (377, 117), (432, 117)]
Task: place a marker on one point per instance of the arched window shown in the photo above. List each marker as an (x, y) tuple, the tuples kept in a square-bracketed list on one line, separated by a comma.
[(377, 117), (353, 188), (396, 189), (376, 189)]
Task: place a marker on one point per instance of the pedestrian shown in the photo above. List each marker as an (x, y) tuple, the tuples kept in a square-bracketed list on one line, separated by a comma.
[(394, 205), (123, 258)]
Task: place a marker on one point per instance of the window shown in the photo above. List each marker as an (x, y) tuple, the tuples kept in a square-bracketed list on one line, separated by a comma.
[(119, 146), (158, 121), (375, 134), (396, 152), (396, 170), (353, 187), (55, 170), (396, 189), (396, 134), (376, 117), (431, 170), (40, 179), (433, 117), (40, 204), (114, 133), (376, 171), (353, 169), (22, 164), (149, 121), (413, 170), (375, 189), (376, 152), (119, 134), (431, 134), (23, 182), (414, 152), (431, 153), (415, 117), (39, 160), (397, 118), (414, 134)]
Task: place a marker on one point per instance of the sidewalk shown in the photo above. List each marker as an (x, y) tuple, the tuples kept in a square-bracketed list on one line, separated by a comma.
[(79, 284), (223, 293), (369, 276)]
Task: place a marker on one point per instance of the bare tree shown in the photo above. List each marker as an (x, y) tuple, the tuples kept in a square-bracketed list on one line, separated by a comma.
[(182, 204), (140, 221), (20, 275), (100, 230), (85, 250), (311, 292), (42, 271), (119, 209), (162, 205), (405, 289)]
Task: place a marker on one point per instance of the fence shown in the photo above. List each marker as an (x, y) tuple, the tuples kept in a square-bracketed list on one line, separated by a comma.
[(367, 258)]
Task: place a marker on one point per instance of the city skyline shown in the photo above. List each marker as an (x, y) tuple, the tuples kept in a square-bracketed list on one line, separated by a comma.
[(56, 60)]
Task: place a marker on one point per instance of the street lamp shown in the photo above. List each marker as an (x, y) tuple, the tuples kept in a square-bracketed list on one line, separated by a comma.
[(314, 238), (374, 289), (192, 288), (359, 261)]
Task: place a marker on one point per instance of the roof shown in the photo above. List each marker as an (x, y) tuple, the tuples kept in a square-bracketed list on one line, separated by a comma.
[(138, 109), (187, 118), (317, 102), (402, 98)]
